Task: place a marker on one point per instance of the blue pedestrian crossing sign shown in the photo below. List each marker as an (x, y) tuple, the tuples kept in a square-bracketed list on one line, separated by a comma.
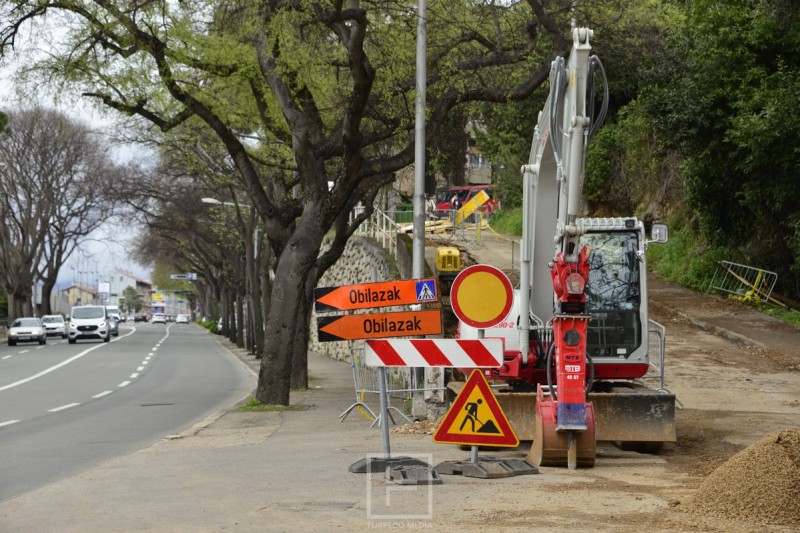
[(426, 290)]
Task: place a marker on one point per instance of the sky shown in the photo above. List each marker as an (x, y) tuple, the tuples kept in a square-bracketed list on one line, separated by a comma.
[(105, 249)]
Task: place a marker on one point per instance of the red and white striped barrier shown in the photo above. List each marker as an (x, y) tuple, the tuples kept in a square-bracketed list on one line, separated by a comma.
[(457, 353)]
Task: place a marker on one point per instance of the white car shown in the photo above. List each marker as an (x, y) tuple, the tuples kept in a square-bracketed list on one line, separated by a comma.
[(182, 319), (55, 325), (158, 318), (26, 329), (88, 322)]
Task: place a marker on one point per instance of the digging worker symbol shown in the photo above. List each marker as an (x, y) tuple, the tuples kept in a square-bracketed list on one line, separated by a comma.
[(472, 416)]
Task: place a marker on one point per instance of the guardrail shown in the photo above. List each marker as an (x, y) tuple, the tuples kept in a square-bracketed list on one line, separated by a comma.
[(381, 227)]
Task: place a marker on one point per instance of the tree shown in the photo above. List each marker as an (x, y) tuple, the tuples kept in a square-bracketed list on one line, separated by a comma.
[(725, 112), (56, 189), (326, 88), (132, 301)]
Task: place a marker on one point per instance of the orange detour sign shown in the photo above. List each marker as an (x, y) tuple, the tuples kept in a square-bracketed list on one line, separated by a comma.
[(369, 295), (378, 325), (475, 418), (481, 296)]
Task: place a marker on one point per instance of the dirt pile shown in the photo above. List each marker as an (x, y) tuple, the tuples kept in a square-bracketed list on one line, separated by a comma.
[(760, 484)]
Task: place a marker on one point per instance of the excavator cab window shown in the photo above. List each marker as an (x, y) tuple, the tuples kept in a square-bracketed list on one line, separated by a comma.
[(613, 294)]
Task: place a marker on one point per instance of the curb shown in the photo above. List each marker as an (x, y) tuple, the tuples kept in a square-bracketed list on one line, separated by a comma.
[(711, 328)]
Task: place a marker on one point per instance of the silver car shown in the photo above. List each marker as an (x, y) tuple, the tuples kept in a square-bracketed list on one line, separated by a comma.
[(55, 325), (26, 329)]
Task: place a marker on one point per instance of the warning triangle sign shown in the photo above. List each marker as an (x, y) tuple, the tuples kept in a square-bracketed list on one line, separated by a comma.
[(475, 418)]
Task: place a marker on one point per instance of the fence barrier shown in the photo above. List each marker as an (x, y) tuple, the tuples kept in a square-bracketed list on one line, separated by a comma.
[(745, 283), (399, 386)]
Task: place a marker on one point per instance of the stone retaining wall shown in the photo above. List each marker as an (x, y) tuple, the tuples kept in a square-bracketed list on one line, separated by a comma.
[(354, 267)]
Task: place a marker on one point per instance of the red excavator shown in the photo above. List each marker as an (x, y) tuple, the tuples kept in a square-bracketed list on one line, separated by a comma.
[(583, 362)]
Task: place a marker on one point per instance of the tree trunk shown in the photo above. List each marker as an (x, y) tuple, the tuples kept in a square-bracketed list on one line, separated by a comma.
[(239, 321), (281, 340), (299, 378), (47, 292), (264, 270)]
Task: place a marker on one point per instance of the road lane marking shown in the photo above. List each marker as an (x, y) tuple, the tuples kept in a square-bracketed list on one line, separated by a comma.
[(134, 375), (124, 384), (7, 357), (140, 369), (8, 423), (52, 368), (104, 393), (55, 410)]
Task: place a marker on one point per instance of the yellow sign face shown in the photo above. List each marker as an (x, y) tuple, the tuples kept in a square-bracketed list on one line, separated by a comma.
[(481, 296), (158, 297), (475, 418), (471, 206)]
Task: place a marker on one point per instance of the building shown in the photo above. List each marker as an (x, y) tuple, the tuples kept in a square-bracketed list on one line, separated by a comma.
[(77, 294), (118, 281)]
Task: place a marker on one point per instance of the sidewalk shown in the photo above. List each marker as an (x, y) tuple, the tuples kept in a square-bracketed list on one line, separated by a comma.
[(288, 471), (273, 471)]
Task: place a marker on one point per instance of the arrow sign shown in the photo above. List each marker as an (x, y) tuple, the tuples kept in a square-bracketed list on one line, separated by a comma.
[(458, 353), (370, 295), (378, 325)]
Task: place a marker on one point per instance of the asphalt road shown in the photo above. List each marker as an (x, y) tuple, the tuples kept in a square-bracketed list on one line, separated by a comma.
[(66, 407)]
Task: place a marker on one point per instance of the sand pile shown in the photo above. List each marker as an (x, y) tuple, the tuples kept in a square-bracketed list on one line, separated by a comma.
[(760, 484)]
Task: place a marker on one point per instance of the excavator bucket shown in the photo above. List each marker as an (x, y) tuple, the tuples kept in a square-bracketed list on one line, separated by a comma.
[(625, 413), (631, 414)]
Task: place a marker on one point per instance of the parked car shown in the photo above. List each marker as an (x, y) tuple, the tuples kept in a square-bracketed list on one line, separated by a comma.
[(88, 322), (464, 193), (140, 317), (182, 319), (158, 318), (55, 325), (26, 329), (113, 326)]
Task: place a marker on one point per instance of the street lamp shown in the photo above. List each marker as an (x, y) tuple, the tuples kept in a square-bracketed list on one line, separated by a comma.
[(214, 201)]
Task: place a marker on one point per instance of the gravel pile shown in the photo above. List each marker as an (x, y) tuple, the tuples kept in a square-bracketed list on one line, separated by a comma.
[(760, 484)]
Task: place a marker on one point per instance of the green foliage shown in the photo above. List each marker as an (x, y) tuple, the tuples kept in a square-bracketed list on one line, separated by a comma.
[(508, 221), (132, 301), (790, 316), (210, 325), (686, 259), (254, 406)]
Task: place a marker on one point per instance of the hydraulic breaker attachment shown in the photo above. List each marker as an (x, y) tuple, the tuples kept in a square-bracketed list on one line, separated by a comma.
[(560, 448)]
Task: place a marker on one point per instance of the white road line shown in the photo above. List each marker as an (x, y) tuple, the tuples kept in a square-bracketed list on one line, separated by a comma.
[(124, 384), (63, 407), (52, 368), (7, 357), (8, 423), (104, 393), (134, 375), (140, 369), (145, 362), (24, 351)]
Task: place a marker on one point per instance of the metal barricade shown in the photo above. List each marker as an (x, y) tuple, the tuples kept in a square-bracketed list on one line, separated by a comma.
[(744, 282), (399, 386), (365, 380)]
